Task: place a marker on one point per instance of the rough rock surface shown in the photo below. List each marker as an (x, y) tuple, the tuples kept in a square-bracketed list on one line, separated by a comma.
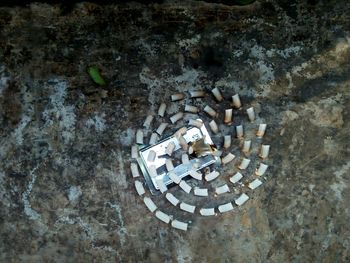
[(65, 188)]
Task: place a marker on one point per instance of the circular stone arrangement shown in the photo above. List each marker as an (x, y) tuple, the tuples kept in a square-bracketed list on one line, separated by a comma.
[(239, 157)]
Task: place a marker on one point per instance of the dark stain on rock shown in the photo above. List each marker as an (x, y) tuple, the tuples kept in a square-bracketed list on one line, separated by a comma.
[(268, 9), (5, 18), (323, 84), (289, 6), (211, 59), (17, 175), (12, 108)]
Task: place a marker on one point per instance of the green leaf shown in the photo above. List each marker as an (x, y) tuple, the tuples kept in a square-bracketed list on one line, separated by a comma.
[(96, 75)]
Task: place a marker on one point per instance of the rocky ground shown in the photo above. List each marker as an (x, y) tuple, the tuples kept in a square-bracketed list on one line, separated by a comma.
[(66, 194)]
